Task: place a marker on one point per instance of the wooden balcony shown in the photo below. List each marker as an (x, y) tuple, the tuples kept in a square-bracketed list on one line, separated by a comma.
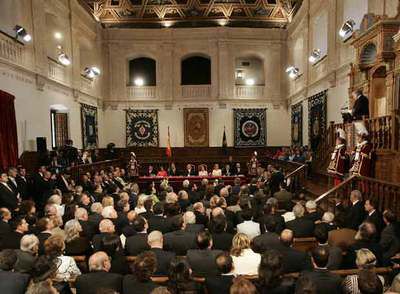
[(11, 50), (249, 92), (196, 91), (141, 92)]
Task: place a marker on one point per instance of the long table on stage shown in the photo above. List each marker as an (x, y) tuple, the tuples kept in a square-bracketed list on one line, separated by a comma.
[(176, 181)]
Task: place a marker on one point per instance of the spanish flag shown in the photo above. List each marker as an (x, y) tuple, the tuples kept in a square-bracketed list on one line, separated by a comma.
[(169, 150)]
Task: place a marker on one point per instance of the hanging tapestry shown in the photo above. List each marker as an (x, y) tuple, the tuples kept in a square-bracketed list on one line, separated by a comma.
[(142, 128), (89, 126), (196, 127), (250, 127), (316, 118), (297, 124)]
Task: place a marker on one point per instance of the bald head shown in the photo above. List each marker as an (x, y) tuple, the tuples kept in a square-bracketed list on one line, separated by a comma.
[(287, 237), (99, 262), (155, 239)]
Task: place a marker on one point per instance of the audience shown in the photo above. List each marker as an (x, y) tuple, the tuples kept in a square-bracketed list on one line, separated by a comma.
[(221, 282), (143, 268), (245, 260), (10, 281)]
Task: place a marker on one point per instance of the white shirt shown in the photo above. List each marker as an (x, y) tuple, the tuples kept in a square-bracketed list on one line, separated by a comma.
[(250, 228), (67, 268), (247, 263), (216, 173), (288, 216)]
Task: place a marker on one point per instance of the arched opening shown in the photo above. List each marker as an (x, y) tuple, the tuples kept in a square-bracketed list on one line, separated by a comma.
[(142, 72), (379, 92), (196, 70), (59, 125), (368, 55), (249, 71)]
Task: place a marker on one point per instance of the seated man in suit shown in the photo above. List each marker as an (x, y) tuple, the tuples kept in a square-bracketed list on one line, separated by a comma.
[(222, 240), (88, 228), (269, 239), (284, 197), (137, 243), (335, 253), (179, 241), (27, 255), (98, 276), (221, 283), (189, 220), (12, 240), (106, 227), (390, 237), (301, 226), (373, 215), (326, 282), (293, 259), (311, 211), (202, 260), (156, 242), (10, 281), (5, 216)]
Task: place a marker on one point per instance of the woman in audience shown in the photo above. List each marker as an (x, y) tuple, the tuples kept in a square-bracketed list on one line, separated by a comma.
[(245, 260), (74, 243), (216, 172), (107, 201), (143, 268), (162, 172), (66, 266), (56, 200), (140, 204), (27, 255), (180, 279), (111, 244), (270, 275), (202, 171), (365, 260)]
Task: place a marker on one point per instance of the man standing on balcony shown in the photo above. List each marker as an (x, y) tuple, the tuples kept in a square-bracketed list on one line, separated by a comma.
[(362, 153), (360, 106), (339, 163)]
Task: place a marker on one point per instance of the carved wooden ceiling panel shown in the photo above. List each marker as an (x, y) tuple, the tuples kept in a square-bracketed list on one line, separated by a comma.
[(192, 13)]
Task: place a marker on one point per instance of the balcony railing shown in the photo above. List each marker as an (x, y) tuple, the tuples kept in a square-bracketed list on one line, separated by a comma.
[(10, 49), (142, 92), (86, 84), (249, 91), (56, 71), (196, 91)]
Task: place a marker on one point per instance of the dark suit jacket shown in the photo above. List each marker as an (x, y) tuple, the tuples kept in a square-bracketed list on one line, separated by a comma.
[(390, 241), (78, 246), (11, 240), (360, 107), (164, 259), (301, 227), (265, 242), (219, 284), (325, 282), (294, 260), (42, 238), (95, 219), (136, 244), (8, 198), (194, 228), (180, 242), (203, 262), (157, 223), (5, 228), (222, 241), (377, 220), (97, 241), (13, 283), (88, 229), (355, 215), (279, 220), (91, 282), (119, 264), (23, 187), (313, 216), (335, 257), (132, 285)]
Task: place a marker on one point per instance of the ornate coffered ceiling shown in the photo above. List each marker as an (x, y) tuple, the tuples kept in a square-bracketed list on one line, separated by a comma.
[(192, 13)]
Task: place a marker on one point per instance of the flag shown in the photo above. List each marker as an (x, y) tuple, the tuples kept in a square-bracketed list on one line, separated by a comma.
[(169, 150), (224, 142)]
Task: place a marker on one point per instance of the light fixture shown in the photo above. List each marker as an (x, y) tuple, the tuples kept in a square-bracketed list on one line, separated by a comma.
[(249, 82), (21, 32), (64, 59), (91, 72), (222, 22), (138, 82), (315, 56), (167, 23), (239, 74), (347, 29), (58, 35), (293, 72)]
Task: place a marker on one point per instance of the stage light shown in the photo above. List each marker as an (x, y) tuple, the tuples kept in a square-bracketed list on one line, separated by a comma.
[(64, 59), (293, 72), (222, 22), (167, 23), (139, 82), (347, 29), (249, 82), (21, 32), (58, 35), (91, 72), (239, 74), (315, 56)]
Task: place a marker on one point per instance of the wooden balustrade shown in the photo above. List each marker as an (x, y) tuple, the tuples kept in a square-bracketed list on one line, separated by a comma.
[(387, 194), (11, 49)]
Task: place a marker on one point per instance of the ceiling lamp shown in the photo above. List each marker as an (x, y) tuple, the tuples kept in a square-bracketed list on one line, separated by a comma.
[(91, 72), (64, 59), (138, 82), (249, 82), (293, 72), (347, 29), (21, 32), (315, 56)]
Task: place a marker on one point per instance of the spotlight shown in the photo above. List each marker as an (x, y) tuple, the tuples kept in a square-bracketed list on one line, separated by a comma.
[(293, 72), (91, 72), (58, 35), (347, 29), (239, 74), (21, 32), (222, 22), (249, 82), (138, 82), (64, 59), (315, 56), (167, 23)]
